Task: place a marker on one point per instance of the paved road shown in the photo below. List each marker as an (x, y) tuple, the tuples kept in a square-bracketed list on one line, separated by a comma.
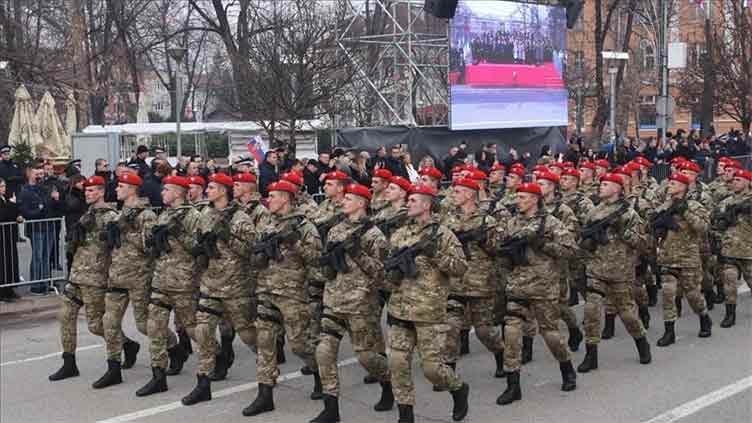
[(485, 108), (696, 380)]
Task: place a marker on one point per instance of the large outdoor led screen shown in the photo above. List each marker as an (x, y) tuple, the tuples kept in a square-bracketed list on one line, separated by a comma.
[(506, 65)]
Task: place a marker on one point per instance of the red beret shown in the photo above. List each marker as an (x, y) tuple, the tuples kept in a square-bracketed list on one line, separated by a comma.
[(247, 178), (587, 165), (359, 190), (691, 166), (540, 168), (517, 170), (222, 179), (643, 161), (422, 189), (497, 166), (570, 171), (467, 183), (568, 165), (382, 173), (130, 179), (292, 177), (723, 160), (556, 164), (94, 181), (613, 177), (196, 180), (478, 175), (677, 160), (176, 180), (531, 188), (733, 163), (432, 172), (632, 167), (602, 163), (401, 182), (549, 176), (458, 169), (284, 186), (679, 177), (337, 176), (622, 170), (745, 174)]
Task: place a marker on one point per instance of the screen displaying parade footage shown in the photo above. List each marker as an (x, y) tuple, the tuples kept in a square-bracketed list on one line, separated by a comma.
[(506, 65)]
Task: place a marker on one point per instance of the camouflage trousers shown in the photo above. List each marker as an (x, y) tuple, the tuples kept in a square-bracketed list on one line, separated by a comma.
[(480, 312), (75, 297), (115, 303), (566, 312), (639, 294), (546, 313), (364, 335), (619, 295), (689, 280), (732, 275), (209, 313), (430, 340), (161, 303), (315, 307), (278, 315)]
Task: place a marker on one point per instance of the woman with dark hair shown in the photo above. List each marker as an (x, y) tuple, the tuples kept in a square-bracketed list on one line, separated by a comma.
[(73, 207), (9, 219)]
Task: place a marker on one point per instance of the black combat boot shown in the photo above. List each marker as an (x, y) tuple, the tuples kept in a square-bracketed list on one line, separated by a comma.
[(405, 413), (263, 403), (202, 391), (568, 376), (306, 371), (591, 359), (281, 359), (644, 314), (158, 383), (513, 391), (461, 406), (678, 304), (669, 337), (185, 341), (178, 357), (331, 411), (227, 350), (573, 298), (69, 368), (643, 348), (709, 298), (438, 389), (130, 351), (720, 296), (111, 377), (652, 295), (220, 368), (464, 342), (386, 402), (317, 390), (575, 337), (608, 327), (705, 325), (527, 349), (499, 359), (730, 318), (370, 380)]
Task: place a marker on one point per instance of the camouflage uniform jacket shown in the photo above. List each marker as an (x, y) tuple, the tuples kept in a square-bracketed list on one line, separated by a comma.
[(424, 298), (287, 277), (560, 210), (590, 190), (92, 259), (509, 201), (306, 204), (478, 280), (390, 219), (200, 205), (718, 190), (701, 194), (615, 260), (378, 202), (736, 241), (538, 279), (175, 271), (131, 264), (255, 210), (227, 274), (682, 248), (580, 204), (355, 292)]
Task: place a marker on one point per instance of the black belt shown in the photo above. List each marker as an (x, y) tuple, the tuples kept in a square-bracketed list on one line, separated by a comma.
[(207, 297), (73, 297), (159, 303), (663, 270), (209, 310), (317, 284), (521, 301), (269, 317), (597, 291), (459, 299), (732, 262), (394, 321), (117, 290)]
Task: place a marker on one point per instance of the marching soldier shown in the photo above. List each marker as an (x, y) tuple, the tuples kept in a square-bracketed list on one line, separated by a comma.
[(173, 284), (680, 224), (129, 274), (423, 254), (353, 263), (588, 185), (288, 247), (515, 177), (379, 182), (303, 200), (581, 205), (88, 278), (611, 234)]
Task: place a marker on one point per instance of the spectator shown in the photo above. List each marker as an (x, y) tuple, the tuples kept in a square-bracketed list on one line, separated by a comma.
[(182, 167), (194, 169), (311, 174), (10, 172), (211, 167), (379, 162), (73, 206), (450, 161), (411, 171), (284, 160), (102, 168), (9, 218), (142, 152), (395, 164), (268, 172), (53, 184), (72, 168), (486, 157), (359, 169), (152, 186), (243, 165), (650, 151)]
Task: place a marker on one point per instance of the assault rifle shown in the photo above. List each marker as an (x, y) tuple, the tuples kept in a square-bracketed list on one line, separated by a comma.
[(479, 234), (664, 220), (334, 254), (403, 260), (721, 221), (327, 225), (596, 233), (111, 236), (515, 248), (268, 247)]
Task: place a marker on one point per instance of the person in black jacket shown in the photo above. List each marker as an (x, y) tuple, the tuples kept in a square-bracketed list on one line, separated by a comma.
[(152, 186), (10, 172), (52, 183), (395, 164), (142, 152), (268, 172), (72, 206), (9, 219)]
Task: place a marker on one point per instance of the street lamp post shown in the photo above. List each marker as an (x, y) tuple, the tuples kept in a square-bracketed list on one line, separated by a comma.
[(614, 57), (178, 53)]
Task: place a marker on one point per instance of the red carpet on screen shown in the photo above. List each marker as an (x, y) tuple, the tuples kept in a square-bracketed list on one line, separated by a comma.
[(523, 76)]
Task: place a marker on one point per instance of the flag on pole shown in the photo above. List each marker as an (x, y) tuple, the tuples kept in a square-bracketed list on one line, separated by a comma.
[(257, 147)]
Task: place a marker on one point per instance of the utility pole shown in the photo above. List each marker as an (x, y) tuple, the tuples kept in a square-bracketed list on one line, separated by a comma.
[(708, 75), (663, 112), (178, 53)]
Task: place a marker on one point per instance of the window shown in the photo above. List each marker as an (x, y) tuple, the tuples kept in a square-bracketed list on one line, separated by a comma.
[(579, 62), (648, 112), (648, 55)]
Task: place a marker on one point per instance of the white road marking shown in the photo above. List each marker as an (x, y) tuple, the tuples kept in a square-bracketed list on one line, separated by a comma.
[(704, 401), (148, 412), (42, 357)]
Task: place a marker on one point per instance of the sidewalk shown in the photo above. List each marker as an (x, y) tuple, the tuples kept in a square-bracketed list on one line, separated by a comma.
[(30, 304)]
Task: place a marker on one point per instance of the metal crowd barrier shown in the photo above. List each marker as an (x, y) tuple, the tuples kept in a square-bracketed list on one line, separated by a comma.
[(32, 254)]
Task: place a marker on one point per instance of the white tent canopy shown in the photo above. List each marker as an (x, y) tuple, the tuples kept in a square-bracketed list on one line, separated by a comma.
[(189, 127)]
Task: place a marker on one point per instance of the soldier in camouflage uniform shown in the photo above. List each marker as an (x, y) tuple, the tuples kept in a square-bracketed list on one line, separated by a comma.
[(304, 202), (611, 234), (732, 226), (496, 188), (353, 261), (581, 205), (287, 248), (473, 294), (222, 246), (529, 245), (423, 256), (88, 277), (173, 284), (646, 197), (129, 274), (680, 225), (588, 185), (379, 182)]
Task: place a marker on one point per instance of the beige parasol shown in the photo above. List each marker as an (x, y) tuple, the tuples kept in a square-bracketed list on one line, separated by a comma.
[(51, 128), (23, 127)]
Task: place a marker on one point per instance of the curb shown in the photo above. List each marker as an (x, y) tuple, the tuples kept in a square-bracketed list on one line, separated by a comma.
[(30, 305)]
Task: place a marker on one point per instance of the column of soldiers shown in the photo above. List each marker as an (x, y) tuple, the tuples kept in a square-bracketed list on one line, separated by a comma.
[(495, 253)]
